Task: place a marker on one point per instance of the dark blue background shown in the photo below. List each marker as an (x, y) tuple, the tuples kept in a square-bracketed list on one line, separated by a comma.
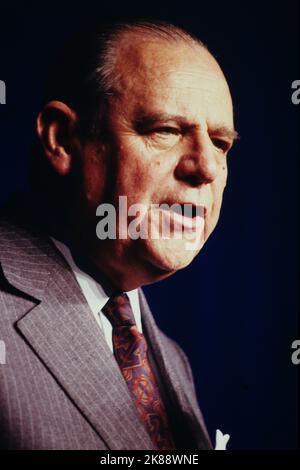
[(234, 310)]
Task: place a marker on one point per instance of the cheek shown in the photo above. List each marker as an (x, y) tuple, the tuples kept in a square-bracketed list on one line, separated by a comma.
[(224, 173), (217, 194), (139, 172), (94, 178)]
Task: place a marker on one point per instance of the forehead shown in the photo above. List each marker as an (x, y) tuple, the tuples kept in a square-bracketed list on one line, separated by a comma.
[(181, 78)]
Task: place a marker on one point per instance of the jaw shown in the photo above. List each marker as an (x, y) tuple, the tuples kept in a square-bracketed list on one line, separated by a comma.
[(144, 262), (168, 256)]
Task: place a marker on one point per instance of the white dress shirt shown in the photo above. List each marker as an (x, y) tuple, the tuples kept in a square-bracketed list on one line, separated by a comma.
[(96, 297)]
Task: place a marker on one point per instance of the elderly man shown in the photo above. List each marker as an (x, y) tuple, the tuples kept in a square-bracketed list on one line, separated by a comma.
[(139, 111)]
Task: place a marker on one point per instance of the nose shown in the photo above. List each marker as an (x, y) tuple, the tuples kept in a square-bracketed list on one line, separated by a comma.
[(198, 164)]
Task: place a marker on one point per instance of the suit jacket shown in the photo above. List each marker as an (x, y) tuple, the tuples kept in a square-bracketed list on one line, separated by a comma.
[(61, 387)]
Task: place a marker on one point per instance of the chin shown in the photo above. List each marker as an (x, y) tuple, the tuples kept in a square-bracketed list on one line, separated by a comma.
[(169, 255)]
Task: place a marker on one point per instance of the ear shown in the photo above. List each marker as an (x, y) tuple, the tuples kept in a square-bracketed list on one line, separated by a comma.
[(55, 127)]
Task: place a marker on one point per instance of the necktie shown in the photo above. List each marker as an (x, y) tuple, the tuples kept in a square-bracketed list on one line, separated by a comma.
[(130, 350)]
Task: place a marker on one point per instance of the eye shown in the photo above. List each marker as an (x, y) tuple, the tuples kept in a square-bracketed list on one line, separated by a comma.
[(164, 136), (165, 130), (221, 144)]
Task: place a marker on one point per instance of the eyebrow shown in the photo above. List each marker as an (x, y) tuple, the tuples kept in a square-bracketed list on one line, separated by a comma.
[(226, 132), (147, 120)]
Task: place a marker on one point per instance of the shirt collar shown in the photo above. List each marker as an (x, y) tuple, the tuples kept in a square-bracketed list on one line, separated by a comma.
[(93, 291)]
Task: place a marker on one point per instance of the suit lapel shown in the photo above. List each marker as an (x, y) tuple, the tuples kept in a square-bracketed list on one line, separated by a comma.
[(64, 334)]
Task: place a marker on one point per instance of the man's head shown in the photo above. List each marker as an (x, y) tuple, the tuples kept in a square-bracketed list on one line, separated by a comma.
[(155, 124)]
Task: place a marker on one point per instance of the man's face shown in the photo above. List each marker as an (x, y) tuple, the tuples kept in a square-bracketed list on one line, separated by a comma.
[(170, 129)]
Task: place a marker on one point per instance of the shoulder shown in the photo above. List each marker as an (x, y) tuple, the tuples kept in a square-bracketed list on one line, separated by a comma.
[(27, 254), (18, 223), (21, 240)]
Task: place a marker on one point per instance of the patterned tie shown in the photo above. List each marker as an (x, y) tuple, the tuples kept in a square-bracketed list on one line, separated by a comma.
[(130, 349)]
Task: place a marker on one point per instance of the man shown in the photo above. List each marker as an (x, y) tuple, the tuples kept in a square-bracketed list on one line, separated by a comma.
[(135, 110)]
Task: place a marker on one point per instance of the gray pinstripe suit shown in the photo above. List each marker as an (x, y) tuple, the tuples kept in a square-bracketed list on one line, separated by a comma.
[(61, 387)]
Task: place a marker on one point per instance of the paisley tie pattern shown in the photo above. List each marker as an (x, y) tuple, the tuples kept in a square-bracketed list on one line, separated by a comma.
[(130, 349)]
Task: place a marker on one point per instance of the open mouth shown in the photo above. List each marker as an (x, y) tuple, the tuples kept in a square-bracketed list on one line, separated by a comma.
[(189, 210), (179, 217)]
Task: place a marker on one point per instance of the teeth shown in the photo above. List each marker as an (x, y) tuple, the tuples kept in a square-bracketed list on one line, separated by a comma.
[(189, 211), (186, 210), (178, 208)]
